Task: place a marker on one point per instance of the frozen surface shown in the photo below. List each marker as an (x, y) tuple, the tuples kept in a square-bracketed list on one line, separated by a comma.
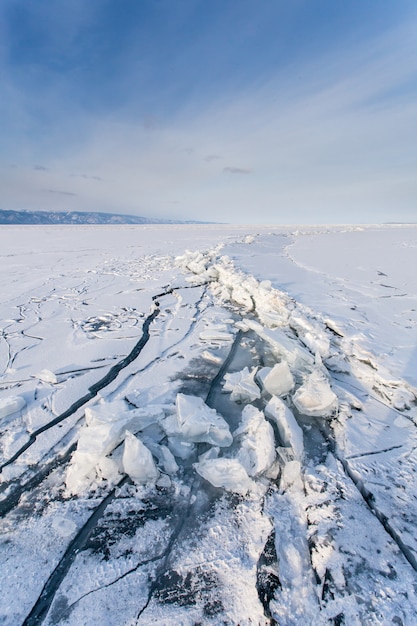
[(208, 425)]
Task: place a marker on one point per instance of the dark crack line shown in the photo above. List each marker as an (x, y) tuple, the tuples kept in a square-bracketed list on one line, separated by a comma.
[(161, 356), (196, 482), (94, 389), (172, 540), (47, 595), (372, 397), (65, 614), (369, 500), (13, 498), (359, 456), (223, 368)]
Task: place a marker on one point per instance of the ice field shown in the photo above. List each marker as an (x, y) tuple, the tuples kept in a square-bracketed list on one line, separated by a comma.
[(208, 425)]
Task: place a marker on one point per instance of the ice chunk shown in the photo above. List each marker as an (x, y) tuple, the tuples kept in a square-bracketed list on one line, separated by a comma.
[(164, 482), (257, 446), (210, 357), (198, 423), (164, 456), (105, 428), (181, 449), (291, 476), (279, 380), (242, 385), (227, 473), (315, 397), (108, 469), (283, 346), (215, 335), (242, 296), (261, 374), (11, 405), (138, 462), (313, 337), (162, 394), (289, 431), (47, 376), (212, 453)]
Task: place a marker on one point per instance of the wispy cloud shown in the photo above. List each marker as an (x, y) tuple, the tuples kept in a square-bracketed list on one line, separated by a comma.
[(59, 192), (86, 177), (329, 138), (236, 170)]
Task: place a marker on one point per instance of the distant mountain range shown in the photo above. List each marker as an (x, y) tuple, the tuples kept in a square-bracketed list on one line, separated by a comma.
[(80, 217)]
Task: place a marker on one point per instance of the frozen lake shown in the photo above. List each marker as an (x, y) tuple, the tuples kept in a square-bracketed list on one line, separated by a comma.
[(208, 425)]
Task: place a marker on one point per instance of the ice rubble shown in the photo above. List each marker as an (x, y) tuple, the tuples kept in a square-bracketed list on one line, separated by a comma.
[(281, 345), (193, 422), (105, 428), (108, 425)]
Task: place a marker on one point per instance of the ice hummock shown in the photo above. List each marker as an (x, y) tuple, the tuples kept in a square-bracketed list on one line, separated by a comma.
[(315, 398), (281, 345)]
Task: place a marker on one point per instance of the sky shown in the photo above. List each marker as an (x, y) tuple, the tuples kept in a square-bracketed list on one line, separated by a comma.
[(238, 111)]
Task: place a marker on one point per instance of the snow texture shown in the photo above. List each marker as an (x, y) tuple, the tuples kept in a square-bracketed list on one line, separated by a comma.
[(226, 435)]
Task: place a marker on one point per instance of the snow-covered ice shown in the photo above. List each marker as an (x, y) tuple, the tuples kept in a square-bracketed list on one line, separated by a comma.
[(10, 405), (221, 435)]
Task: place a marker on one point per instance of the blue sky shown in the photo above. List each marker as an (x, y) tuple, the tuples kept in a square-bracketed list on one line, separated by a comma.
[(246, 111)]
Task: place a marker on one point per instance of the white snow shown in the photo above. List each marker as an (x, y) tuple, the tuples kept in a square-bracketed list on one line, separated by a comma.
[(329, 327)]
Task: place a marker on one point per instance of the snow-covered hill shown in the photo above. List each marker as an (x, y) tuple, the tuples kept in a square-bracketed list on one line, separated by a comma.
[(79, 217), (208, 425)]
